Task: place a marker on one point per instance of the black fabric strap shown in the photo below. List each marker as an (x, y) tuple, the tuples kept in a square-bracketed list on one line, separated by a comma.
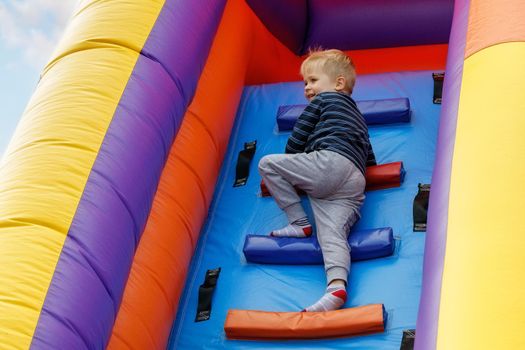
[(409, 337), (243, 163), (205, 294), (438, 87), (421, 207)]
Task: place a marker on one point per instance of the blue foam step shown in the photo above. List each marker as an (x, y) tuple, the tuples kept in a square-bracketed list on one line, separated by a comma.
[(385, 111), (364, 244)]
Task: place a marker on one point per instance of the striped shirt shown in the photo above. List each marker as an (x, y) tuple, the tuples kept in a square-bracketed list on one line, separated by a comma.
[(333, 122)]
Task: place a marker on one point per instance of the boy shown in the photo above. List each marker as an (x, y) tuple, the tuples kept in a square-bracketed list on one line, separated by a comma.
[(326, 156)]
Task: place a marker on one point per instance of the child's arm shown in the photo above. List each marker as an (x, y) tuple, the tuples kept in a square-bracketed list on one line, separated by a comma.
[(304, 126), (371, 156)]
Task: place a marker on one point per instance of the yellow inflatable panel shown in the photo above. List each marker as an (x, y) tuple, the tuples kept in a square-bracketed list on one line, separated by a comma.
[(107, 24), (48, 162), (483, 280), (55, 147)]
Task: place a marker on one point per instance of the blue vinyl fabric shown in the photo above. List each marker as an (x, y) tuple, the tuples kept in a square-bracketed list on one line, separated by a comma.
[(364, 244), (387, 111), (394, 281)]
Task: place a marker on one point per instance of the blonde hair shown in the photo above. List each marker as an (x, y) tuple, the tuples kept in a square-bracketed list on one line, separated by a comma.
[(334, 63)]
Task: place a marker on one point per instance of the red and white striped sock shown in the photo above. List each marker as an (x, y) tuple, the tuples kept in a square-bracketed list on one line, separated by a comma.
[(333, 299), (298, 228)]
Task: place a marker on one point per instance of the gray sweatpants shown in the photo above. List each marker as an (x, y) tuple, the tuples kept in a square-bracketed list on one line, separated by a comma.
[(335, 188)]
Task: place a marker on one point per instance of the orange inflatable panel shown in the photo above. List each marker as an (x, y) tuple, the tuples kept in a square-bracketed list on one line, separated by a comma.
[(377, 177), (264, 325)]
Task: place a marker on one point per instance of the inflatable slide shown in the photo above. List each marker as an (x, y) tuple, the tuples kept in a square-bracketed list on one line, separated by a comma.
[(124, 225)]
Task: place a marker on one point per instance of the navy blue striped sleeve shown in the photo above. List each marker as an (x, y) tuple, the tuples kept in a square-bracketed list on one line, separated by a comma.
[(304, 126), (371, 160)]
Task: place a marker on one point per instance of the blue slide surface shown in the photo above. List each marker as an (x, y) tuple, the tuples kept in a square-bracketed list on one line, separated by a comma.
[(394, 281)]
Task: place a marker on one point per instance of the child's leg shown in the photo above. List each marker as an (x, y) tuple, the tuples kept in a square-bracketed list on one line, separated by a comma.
[(307, 171), (333, 221), (281, 172), (334, 216)]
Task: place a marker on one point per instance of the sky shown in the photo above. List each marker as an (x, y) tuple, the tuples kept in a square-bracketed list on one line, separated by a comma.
[(29, 32)]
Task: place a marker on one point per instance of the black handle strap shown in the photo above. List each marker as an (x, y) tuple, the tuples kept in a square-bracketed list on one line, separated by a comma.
[(421, 207), (205, 295), (438, 87), (409, 337), (243, 163)]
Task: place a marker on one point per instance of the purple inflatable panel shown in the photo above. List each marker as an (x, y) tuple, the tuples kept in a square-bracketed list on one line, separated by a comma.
[(286, 20), (428, 316), (366, 24)]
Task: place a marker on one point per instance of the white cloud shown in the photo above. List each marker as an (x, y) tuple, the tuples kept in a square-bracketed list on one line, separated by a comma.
[(33, 27)]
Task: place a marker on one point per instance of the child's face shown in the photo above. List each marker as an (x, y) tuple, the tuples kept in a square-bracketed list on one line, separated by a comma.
[(316, 81)]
